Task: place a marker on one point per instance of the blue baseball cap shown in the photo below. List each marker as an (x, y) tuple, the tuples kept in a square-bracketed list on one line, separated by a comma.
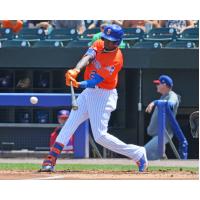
[(164, 79)]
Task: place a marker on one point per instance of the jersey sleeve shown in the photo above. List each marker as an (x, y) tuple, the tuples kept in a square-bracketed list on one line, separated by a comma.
[(91, 52), (94, 48)]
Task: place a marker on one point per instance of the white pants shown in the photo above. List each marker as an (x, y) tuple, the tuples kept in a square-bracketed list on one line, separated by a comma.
[(97, 105)]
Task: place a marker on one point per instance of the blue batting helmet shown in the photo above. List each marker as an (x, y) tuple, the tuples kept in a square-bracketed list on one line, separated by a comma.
[(63, 114), (113, 33)]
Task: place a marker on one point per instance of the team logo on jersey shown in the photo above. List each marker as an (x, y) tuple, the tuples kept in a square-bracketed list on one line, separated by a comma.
[(109, 31), (92, 74), (96, 64), (111, 69)]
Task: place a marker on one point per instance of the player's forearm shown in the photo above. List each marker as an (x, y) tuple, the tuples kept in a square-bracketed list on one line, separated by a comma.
[(83, 63)]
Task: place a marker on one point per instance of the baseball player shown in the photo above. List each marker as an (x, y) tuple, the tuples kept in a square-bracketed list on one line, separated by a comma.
[(62, 117), (102, 63), (164, 86)]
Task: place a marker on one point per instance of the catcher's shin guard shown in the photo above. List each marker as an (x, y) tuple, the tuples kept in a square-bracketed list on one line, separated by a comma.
[(49, 163)]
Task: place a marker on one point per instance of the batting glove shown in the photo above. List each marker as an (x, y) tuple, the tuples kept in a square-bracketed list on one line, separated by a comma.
[(71, 76), (73, 72), (75, 84)]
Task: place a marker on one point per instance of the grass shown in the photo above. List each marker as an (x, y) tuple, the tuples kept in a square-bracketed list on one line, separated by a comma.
[(81, 167)]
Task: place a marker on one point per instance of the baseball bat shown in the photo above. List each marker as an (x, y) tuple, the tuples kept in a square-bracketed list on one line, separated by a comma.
[(74, 102)]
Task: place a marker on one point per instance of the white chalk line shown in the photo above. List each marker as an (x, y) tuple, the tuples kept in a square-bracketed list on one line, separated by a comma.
[(48, 178)]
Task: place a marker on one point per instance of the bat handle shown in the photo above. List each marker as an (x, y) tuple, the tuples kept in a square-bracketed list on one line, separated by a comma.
[(74, 102)]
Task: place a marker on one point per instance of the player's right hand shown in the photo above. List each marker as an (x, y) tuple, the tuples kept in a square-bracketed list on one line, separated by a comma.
[(76, 84), (69, 80)]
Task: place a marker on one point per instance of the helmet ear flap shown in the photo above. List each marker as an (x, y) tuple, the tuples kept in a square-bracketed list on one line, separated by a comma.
[(118, 42)]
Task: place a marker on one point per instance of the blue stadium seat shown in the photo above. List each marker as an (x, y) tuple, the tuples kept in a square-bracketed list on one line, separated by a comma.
[(133, 34), (6, 79), (6, 34), (23, 116), (161, 34), (190, 34), (14, 43), (77, 43), (44, 43), (88, 23), (180, 44), (41, 116), (196, 24), (89, 33), (31, 34), (147, 44), (63, 34)]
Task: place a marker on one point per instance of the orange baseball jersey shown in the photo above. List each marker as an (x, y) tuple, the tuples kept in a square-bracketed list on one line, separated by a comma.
[(105, 64), (16, 27)]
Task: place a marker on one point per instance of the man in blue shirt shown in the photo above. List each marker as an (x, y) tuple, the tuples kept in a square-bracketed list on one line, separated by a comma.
[(164, 86)]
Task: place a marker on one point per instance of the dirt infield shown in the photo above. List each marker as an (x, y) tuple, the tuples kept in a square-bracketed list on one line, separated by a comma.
[(103, 174), (99, 175)]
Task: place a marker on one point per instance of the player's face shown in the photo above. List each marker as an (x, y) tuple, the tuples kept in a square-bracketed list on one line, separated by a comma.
[(62, 120), (109, 45), (161, 88)]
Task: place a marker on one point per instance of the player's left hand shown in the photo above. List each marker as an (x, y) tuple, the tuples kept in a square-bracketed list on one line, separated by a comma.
[(72, 73), (71, 76)]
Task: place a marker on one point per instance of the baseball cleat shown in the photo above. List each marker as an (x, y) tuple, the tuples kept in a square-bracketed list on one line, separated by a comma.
[(48, 164), (47, 168), (142, 163)]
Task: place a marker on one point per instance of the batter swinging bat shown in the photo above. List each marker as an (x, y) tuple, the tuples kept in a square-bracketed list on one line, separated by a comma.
[(74, 103)]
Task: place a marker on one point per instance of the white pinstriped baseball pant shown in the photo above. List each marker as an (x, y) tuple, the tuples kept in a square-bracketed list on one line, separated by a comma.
[(97, 105)]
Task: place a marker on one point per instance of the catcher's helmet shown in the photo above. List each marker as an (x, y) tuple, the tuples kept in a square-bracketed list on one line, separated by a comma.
[(63, 114), (113, 33)]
